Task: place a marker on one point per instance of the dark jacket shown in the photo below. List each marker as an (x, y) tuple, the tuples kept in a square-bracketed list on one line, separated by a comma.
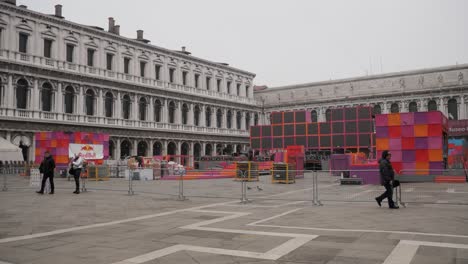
[(386, 171), (47, 166)]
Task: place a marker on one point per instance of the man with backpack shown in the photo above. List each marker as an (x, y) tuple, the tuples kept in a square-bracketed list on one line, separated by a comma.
[(47, 168)]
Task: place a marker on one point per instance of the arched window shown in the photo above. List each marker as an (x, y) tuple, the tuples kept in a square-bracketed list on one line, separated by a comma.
[(142, 109), (171, 148), (157, 148), (126, 106), (111, 150), (394, 108), (328, 115), (89, 101), (22, 88), (412, 107), (432, 105), (157, 110), (238, 119), (313, 116), (377, 110), (69, 100), (197, 151), (208, 149), (208, 117), (185, 110), (142, 148), (172, 109), (109, 104), (184, 152), (229, 119), (46, 97), (247, 91), (219, 118), (247, 121), (256, 120), (196, 115), (125, 148), (452, 106)]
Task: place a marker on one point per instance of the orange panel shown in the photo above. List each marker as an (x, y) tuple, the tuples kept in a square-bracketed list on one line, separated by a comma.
[(435, 155), (394, 119), (382, 143), (420, 131), (422, 168)]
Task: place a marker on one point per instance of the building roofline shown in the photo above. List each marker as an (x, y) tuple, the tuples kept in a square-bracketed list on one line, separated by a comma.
[(92, 30), (366, 78)]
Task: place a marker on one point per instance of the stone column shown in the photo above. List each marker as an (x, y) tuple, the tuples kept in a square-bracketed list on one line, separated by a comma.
[(243, 121), (118, 107), (134, 115), (58, 99), (79, 105), (117, 149), (150, 111), (134, 147), (422, 105), (190, 115), (35, 99), (442, 107), (99, 104), (224, 122), (463, 114), (213, 117), (164, 111), (178, 116), (202, 116), (150, 148), (9, 93), (164, 147)]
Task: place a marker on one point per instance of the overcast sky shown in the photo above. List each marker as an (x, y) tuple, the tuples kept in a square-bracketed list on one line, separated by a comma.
[(291, 41)]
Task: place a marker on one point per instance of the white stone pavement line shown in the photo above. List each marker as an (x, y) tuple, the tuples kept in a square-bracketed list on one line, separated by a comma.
[(78, 228), (404, 252), (361, 193), (273, 217), (296, 241), (265, 206)]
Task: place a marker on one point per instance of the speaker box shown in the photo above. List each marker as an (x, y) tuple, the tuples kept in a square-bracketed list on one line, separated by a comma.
[(301, 141), (325, 141), (288, 117), (255, 131), (278, 142), (300, 116), (255, 143), (288, 130), (278, 130), (312, 129), (313, 142), (337, 128), (266, 131), (300, 129), (288, 141), (350, 127), (277, 118), (337, 114), (351, 140), (266, 143), (325, 128), (350, 113), (364, 112), (338, 140), (365, 126)]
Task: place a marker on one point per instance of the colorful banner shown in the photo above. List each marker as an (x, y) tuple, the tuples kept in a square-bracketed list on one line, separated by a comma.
[(86, 151)]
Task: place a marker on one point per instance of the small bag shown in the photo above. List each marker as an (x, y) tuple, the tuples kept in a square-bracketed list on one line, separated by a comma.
[(71, 171)]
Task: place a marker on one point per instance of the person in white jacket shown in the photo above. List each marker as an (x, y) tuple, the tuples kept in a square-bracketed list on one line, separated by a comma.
[(76, 167)]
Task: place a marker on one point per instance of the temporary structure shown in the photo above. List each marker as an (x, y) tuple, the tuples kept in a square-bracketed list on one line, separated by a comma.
[(9, 152)]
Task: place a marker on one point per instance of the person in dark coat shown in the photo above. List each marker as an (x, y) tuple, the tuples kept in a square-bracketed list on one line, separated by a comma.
[(387, 178), (47, 168)]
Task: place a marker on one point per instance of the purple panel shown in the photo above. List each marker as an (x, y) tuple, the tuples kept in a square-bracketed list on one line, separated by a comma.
[(420, 118), (434, 117), (436, 165), (381, 120), (394, 144), (421, 143), (368, 173), (408, 167), (381, 132), (409, 156), (397, 155), (407, 131), (407, 119), (434, 142)]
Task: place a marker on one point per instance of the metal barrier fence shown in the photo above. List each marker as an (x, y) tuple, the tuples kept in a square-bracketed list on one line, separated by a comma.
[(264, 188)]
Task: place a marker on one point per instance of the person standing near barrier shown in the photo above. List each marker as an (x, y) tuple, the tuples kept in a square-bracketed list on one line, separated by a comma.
[(387, 177), (47, 168), (76, 167)]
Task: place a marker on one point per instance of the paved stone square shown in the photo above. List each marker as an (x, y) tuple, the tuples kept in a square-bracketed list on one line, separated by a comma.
[(279, 225)]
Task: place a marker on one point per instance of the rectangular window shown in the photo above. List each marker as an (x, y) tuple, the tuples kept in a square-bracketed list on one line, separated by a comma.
[(238, 89), (197, 80), (126, 65), (171, 75), (228, 87), (23, 43), (208, 80), (109, 60), (142, 68), (184, 77), (218, 85), (158, 72), (90, 57), (70, 49), (48, 48)]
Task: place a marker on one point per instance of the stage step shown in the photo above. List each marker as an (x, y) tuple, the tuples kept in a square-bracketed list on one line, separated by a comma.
[(450, 179)]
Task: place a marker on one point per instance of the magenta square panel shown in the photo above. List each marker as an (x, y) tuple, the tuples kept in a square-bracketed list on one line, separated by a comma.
[(421, 143), (381, 132), (407, 131), (407, 119), (394, 144), (381, 120), (434, 142)]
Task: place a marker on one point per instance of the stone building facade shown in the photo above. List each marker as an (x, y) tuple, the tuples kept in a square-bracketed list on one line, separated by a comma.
[(57, 75), (444, 89)]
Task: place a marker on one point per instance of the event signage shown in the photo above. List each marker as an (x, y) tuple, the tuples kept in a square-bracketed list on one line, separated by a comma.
[(458, 127), (86, 151)]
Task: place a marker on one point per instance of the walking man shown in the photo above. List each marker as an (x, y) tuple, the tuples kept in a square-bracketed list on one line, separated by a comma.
[(77, 166), (47, 168), (387, 177)]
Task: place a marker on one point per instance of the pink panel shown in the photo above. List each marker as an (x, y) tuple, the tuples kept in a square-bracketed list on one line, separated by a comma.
[(407, 131), (407, 119), (434, 143), (381, 120), (396, 155), (395, 143), (434, 117)]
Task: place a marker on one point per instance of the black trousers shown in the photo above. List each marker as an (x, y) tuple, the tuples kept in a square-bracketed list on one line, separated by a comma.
[(76, 175), (387, 194), (50, 176)]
